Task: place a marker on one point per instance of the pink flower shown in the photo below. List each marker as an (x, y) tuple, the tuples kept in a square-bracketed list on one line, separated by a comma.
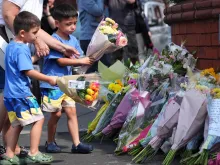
[(211, 162), (122, 41), (156, 64), (156, 52), (132, 82), (115, 26), (173, 57)]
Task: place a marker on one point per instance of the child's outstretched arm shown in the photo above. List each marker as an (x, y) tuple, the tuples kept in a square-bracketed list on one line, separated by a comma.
[(70, 62), (52, 80)]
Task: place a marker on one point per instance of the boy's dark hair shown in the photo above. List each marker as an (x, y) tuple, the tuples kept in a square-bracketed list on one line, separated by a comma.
[(64, 11), (25, 21)]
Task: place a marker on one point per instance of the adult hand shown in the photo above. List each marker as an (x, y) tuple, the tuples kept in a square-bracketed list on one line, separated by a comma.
[(46, 9), (70, 52), (41, 47)]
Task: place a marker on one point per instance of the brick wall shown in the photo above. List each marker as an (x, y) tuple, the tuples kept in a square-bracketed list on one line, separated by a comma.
[(197, 23)]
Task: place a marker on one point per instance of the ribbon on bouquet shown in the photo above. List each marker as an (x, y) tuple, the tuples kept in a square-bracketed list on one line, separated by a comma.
[(143, 100)]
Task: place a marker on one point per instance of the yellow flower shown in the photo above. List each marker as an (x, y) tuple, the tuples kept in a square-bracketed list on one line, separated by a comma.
[(111, 86), (118, 82), (88, 98), (90, 91), (109, 20), (117, 88)]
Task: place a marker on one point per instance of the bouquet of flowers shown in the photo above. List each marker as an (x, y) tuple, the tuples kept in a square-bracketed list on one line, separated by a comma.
[(106, 39), (213, 130), (167, 120), (131, 127), (84, 89), (193, 108)]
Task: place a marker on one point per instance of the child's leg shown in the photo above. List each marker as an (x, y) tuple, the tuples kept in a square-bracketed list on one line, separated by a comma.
[(52, 126), (77, 147), (3, 112), (72, 124), (12, 139), (35, 135)]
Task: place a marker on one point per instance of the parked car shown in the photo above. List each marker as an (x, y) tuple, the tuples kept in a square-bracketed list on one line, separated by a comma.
[(161, 32)]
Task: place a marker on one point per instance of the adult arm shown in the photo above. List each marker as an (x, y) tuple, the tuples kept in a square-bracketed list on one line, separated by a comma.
[(130, 1), (49, 17), (74, 62), (94, 8), (10, 10)]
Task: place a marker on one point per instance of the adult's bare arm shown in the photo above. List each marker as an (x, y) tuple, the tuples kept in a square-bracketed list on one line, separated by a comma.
[(10, 10), (130, 1), (57, 45)]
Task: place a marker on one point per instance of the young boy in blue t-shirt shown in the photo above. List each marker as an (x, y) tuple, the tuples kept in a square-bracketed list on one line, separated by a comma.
[(55, 64), (20, 103)]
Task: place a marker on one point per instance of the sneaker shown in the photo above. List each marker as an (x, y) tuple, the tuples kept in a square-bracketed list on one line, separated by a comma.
[(82, 148), (52, 147), (23, 152), (2, 150)]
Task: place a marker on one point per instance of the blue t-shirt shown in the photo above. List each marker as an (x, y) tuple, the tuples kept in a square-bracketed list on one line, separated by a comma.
[(52, 68), (17, 60)]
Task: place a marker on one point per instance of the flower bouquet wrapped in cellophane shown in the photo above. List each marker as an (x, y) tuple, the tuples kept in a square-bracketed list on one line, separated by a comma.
[(131, 127), (83, 89), (108, 114), (167, 120), (106, 39), (121, 113), (193, 145), (213, 137), (107, 96), (191, 119)]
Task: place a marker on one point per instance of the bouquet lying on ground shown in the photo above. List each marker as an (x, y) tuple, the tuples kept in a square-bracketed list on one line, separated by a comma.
[(213, 130), (83, 89), (106, 39), (131, 128), (191, 119)]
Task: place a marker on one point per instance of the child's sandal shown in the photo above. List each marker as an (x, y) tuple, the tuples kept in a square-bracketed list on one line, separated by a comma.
[(39, 158), (5, 160)]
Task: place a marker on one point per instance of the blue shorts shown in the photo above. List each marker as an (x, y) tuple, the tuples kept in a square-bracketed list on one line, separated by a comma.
[(23, 111)]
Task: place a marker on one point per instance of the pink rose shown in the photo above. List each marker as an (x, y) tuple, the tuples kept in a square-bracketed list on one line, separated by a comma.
[(122, 41)]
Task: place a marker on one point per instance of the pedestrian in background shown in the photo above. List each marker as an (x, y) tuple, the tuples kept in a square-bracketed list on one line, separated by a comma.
[(47, 21), (91, 12), (123, 12)]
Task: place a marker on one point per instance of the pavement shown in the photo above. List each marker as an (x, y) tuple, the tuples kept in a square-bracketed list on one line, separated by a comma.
[(103, 153)]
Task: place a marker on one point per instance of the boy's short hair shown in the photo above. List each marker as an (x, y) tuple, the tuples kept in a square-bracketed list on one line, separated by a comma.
[(25, 21), (64, 11)]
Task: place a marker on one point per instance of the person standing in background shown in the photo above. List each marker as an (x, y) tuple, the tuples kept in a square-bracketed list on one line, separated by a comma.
[(123, 12), (91, 12), (47, 21)]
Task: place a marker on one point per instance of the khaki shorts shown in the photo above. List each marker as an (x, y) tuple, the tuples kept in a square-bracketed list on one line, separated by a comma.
[(54, 100)]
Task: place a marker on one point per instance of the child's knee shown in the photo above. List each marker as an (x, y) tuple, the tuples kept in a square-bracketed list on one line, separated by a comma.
[(56, 115)]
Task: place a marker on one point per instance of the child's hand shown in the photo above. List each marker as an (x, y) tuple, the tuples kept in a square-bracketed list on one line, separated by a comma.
[(86, 61), (53, 80)]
